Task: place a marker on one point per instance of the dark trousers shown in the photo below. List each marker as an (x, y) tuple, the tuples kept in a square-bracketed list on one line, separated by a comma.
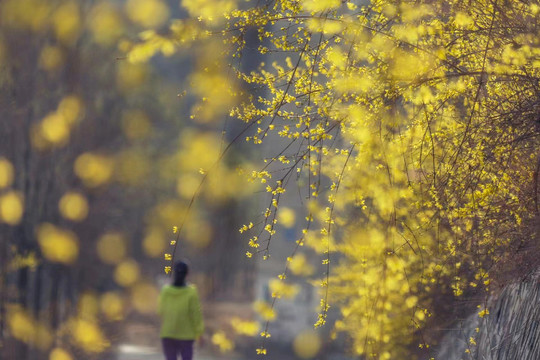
[(171, 348)]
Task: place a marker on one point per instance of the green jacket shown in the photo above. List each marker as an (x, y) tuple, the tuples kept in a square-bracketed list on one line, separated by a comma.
[(180, 312)]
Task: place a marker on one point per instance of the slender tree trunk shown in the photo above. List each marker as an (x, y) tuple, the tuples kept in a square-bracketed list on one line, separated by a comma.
[(22, 295), (3, 286), (54, 297)]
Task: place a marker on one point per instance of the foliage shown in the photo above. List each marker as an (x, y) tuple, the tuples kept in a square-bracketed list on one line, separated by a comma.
[(412, 129)]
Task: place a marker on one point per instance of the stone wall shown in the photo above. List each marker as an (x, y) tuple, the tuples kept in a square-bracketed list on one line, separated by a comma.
[(511, 331)]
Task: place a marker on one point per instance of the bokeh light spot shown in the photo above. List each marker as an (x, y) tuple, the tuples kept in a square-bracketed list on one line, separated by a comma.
[(94, 169), (211, 11), (280, 289), (59, 354), (51, 58), (73, 206), (11, 208), (57, 245), (199, 150), (55, 129), (25, 328), (299, 265), (307, 344), (221, 340), (88, 306), (25, 14), (187, 185), (154, 243), (111, 247), (70, 108), (144, 297), (67, 22), (147, 13), (264, 310), (105, 23), (7, 173), (112, 306), (244, 327), (129, 76), (286, 217), (127, 273), (88, 335)]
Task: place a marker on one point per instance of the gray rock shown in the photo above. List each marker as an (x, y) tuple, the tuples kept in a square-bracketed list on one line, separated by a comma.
[(511, 331)]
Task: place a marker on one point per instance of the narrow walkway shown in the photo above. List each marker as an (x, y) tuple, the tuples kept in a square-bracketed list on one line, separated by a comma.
[(134, 352)]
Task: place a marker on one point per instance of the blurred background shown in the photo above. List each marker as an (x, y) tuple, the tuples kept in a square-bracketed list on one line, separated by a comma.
[(100, 157)]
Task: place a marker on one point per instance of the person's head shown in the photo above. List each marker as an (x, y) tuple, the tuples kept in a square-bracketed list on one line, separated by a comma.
[(181, 269)]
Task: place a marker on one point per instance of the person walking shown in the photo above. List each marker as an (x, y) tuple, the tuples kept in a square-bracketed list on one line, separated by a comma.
[(181, 317)]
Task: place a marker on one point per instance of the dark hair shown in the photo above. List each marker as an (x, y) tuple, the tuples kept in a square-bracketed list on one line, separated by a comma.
[(181, 269)]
